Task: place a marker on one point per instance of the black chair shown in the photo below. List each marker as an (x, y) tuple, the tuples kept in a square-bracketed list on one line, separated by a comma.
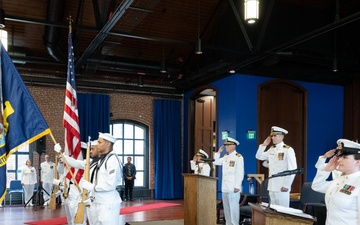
[(313, 203), (263, 196)]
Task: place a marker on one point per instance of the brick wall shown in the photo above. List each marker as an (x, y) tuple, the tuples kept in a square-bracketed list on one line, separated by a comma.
[(123, 106)]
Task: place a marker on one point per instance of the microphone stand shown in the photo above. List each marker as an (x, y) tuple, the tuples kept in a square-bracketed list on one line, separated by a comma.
[(36, 197)]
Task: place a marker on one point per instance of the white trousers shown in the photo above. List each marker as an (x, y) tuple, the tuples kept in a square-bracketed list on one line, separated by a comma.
[(231, 207), (28, 192), (48, 188), (104, 214), (71, 206)]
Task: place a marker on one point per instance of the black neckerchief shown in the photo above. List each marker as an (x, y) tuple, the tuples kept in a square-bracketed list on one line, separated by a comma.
[(100, 160)]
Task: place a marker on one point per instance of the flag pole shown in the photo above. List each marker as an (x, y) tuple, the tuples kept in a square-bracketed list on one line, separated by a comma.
[(66, 164), (52, 204)]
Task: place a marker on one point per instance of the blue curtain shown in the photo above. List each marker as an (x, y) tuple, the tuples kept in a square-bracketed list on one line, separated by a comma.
[(94, 115), (168, 151)]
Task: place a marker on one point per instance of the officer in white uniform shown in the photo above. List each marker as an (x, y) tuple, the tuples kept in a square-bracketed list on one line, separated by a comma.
[(28, 181), (342, 195), (232, 177), (281, 157), (198, 165), (106, 175), (47, 177)]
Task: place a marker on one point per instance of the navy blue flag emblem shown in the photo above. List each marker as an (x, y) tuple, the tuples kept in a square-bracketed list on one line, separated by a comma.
[(21, 121)]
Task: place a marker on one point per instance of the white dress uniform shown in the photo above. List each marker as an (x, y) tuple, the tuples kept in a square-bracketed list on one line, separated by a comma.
[(342, 197), (106, 205), (47, 178), (28, 179), (281, 157), (74, 196), (232, 177), (200, 168)]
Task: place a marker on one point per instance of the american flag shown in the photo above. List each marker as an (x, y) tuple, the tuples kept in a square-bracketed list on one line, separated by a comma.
[(71, 119)]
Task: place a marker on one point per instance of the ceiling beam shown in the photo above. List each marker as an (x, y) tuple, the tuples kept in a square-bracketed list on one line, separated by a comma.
[(103, 33)]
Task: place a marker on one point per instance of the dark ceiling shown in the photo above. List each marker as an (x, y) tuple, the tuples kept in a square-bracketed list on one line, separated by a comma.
[(118, 43)]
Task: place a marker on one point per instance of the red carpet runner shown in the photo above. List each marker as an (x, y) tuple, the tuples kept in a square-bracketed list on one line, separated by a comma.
[(127, 210), (146, 207)]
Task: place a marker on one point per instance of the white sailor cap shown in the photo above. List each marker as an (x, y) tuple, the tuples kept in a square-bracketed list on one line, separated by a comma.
[(231, 141), (347, 147), (93, 143), (202, 153), (107, 136), (278, 130), (83, 145)]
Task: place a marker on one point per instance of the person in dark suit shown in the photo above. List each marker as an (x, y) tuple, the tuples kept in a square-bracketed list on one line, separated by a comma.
[(129, 172)]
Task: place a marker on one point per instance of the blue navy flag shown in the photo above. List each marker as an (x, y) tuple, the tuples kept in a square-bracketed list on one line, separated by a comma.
[(21, 121)]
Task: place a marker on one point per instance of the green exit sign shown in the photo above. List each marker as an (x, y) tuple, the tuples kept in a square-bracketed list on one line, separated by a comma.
[(251, 134)]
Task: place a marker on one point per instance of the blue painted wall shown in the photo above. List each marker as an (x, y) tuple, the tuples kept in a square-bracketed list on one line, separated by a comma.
[(237, 113)]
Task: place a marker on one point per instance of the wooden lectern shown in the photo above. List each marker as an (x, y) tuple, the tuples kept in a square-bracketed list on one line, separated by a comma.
[(263, 216), (199, 200)]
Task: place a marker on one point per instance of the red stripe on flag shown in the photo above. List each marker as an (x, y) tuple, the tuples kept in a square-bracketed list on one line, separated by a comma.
[(71, 119)]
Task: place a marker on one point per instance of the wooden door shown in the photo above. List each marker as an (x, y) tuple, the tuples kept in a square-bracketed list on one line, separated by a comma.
[(204, 124), (283, 104)]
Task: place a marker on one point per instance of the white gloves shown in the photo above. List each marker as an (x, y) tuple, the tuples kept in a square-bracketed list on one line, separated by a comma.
[(58, 193), (56, 182), (86, 185), (57, 148), (87, 202)]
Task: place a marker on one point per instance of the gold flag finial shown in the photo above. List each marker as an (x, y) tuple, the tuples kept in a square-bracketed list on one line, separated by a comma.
[(70, 23)]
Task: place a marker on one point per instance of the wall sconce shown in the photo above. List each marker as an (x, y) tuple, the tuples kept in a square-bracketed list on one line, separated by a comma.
[(251, 10)]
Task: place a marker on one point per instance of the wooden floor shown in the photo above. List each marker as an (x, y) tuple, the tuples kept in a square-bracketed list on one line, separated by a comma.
[(17, 215)]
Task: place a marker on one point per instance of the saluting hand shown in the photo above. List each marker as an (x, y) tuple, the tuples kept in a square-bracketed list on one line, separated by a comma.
[(221, 149), (332, 164), (329, 153), (267, 141)]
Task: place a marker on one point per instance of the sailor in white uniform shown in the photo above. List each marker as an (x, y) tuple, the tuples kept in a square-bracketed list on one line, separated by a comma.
[(342, 195), (47, 177), (281, 157), (232, 177), (198, 165), (106, 175)]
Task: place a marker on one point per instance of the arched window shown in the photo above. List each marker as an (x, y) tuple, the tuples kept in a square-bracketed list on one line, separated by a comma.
[(132, 140)]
